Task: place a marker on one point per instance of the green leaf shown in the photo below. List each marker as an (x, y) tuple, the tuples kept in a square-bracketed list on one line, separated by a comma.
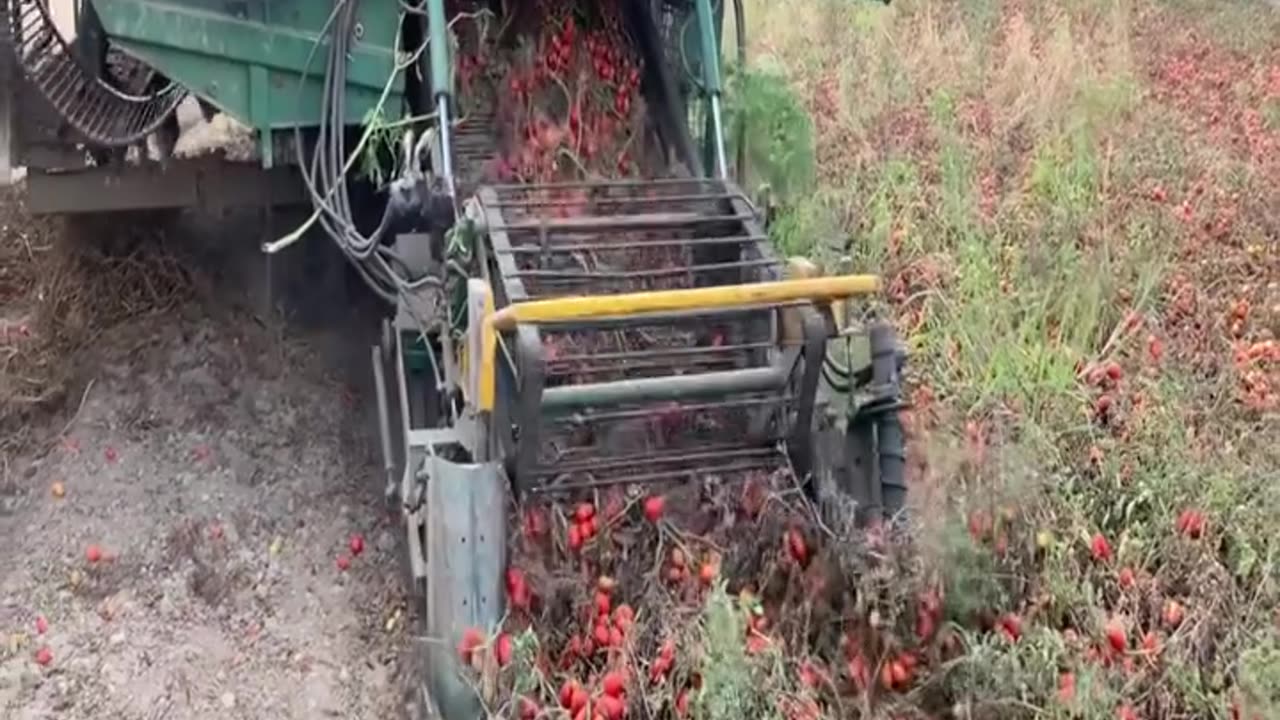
[(1245, 558)]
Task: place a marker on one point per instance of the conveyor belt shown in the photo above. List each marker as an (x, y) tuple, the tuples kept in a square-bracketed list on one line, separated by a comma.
[(651, 398), (474, 147), (104, 115)]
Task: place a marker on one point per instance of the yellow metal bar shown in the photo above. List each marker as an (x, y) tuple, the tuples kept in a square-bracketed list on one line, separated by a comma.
[(710, 298), (791, 320), (663, 301), (488, 357)]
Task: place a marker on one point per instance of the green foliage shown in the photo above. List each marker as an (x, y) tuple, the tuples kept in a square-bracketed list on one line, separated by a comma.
[(1260, 677), (894, 192), (780, 148), (1271, 114), (730, 686), (1064, 180), (378, 160), (524, 657), (801, 227), (971, 581), (997, 678), (1246, 26)]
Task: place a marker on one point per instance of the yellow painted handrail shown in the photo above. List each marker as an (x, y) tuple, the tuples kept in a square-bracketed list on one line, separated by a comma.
[(662, 301)]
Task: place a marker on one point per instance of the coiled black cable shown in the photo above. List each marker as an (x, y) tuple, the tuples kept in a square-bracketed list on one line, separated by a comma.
[(325, 173)]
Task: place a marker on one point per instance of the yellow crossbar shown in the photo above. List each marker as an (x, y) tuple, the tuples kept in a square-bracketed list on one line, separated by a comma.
[(823, 289)]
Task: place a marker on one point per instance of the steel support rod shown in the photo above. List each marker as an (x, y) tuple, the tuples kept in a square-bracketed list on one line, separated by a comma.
[(384, 422), (736, 471), (441, 83), (711, 79), (446, 152), (658, 389), (717, 123)]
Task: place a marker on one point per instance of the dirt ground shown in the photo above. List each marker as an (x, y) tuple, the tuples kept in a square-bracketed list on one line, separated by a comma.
[(220, 462)]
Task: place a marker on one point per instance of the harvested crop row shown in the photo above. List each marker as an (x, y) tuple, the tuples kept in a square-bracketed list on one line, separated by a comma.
[(635, 605), (564, 82)]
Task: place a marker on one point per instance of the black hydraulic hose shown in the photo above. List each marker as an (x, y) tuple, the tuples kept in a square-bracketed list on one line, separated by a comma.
[(326, 180), (662, 85), (337, 124)]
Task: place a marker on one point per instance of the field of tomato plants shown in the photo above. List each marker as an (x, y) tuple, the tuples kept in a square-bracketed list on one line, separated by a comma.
[(1075, 207)]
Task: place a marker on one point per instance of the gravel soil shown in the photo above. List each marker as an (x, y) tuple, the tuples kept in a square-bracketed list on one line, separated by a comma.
[(218, 466)]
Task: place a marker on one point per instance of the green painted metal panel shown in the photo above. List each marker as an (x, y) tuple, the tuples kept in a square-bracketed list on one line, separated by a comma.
[(441, 72), (415, 353), (709, 36), (261, 61)]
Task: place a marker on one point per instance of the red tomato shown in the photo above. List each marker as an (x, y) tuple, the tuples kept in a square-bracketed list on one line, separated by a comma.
[(653, 507), (503, 649), (614, 684)]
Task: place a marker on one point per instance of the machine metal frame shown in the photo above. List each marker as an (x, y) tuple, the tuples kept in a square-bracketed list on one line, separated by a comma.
[(466, 339)]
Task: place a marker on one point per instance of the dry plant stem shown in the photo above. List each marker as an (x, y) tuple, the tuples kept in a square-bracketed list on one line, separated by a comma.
[(83, 397)]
